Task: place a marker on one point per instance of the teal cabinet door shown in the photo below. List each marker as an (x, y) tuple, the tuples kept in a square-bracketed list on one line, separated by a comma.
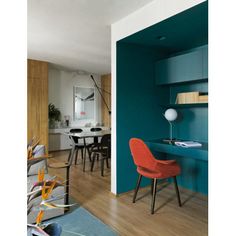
[(205, 62), (181, 68), (161, 70)]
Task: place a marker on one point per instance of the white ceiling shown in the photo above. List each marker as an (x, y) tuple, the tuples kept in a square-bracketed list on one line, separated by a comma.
[(75, 34)]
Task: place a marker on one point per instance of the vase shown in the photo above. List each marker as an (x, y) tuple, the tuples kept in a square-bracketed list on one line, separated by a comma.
[(52, 123), (53, 229)]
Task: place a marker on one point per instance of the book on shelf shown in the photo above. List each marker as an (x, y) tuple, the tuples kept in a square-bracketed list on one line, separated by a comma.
[(191, 97), (188, 144)]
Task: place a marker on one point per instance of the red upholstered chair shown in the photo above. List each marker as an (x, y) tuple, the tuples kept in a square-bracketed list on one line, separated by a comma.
[(152, 168)]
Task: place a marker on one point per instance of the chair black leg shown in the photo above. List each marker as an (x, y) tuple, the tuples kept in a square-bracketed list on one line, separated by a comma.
[(154, 189), (89, 153), (69, 155), (76, 155), (177, 191), (137, 187), (102, 166), (82, 153), (107, 162), (152, 182), (93, 160), (84, 163)]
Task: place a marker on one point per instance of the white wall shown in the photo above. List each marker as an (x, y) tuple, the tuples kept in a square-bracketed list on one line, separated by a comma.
[(60, 89), (146, 16)]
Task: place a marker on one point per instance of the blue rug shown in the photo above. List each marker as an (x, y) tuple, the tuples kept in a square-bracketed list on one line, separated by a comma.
[(82, 223)]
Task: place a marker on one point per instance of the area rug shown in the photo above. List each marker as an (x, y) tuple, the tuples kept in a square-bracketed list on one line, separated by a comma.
[(81, 222)]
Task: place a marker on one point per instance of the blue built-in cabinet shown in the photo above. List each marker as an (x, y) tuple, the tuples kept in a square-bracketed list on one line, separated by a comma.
[(187, 66), (187, 72)]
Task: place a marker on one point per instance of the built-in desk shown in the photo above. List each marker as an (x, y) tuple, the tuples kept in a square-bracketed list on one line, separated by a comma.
[(200, 153), (193, 163)]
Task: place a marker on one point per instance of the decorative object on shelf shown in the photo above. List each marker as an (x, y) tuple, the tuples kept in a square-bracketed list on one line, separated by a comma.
[(171, 115), (54, 115), (67, 119), (191, 98), (203, 99)]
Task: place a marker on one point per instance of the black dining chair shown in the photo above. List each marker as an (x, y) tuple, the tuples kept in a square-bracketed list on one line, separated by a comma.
[(96, 129), (89, 145), (102, 150), (78, 146), (95, 140)]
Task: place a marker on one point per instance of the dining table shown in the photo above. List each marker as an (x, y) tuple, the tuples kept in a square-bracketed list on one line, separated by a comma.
[(84, 135)]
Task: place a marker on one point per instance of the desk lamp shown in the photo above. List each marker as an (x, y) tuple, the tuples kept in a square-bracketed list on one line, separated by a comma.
[(171, 115)]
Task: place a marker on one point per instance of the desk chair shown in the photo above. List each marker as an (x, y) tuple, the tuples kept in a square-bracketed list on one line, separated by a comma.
[(102, 149), (78, 146), (152, 168)]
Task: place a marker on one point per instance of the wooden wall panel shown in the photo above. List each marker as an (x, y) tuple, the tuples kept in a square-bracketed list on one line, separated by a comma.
[(37, 101), (106, 86)]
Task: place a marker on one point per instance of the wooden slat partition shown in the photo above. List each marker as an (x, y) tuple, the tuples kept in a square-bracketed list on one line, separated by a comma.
[(106, 86), (37, 101)]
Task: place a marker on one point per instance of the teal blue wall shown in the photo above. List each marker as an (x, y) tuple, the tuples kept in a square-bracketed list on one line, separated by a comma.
[(141, 102), (192, 124), (138, 112), (194, 173)]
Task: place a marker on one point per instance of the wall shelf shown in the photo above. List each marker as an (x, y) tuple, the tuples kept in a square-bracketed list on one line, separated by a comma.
[(188, 105), (184, 82)]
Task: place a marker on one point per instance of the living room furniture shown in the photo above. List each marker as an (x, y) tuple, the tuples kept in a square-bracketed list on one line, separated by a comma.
[(66, 165), (86, 135), (101, 150), (78, 146), (149, 167), (39, 162), (199, 153), (95, 141), (193, 160), (59, 141)]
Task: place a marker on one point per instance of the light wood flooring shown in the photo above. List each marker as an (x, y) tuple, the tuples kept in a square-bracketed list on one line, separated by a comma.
[(92, 191)]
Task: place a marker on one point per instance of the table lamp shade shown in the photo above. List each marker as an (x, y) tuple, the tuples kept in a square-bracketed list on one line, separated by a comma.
[(171, 114)]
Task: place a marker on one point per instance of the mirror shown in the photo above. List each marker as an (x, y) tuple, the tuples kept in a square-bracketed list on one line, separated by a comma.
[(84, 103)]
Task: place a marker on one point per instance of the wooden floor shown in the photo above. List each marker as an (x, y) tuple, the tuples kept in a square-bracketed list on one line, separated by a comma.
[(92, 191)]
